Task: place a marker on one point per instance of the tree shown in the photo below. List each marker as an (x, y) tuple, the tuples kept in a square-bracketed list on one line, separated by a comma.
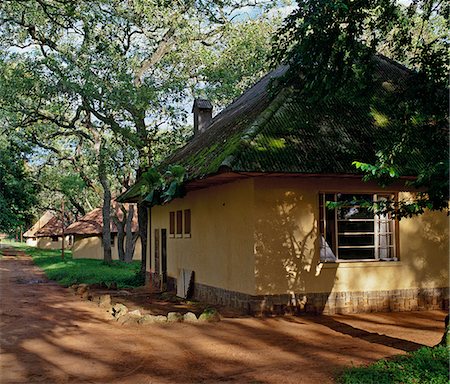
[(330, 46), (110, 67), (18, 190)]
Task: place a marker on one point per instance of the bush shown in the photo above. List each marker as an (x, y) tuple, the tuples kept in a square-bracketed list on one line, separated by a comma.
[(424, 366)]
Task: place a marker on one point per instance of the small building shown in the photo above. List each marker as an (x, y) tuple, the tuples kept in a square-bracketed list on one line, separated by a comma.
[(87, 236), (50, 236), (30, 235), (252, 229)]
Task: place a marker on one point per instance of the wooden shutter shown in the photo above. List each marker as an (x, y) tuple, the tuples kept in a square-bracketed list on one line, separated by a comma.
[(187, 221), (172, 223), (179, 222)]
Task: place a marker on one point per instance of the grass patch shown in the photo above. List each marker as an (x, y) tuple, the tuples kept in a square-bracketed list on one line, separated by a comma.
[(424, 366), (88, 271)]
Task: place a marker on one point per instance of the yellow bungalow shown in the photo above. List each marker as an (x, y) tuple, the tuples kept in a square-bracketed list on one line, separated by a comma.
[(252, 230), (87, 237), (30, 235), (50, 236)]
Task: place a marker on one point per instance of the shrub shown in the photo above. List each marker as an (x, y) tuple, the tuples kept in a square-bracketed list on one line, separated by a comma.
[(424, 366)]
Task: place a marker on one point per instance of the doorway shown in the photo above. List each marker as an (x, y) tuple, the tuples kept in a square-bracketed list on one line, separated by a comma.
[(164, 258)]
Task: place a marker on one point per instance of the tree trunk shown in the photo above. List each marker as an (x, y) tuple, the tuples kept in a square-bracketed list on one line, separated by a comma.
[(129, 247), (120, 237), (106, 231), (145, 161), (143, 222), (106, 210)]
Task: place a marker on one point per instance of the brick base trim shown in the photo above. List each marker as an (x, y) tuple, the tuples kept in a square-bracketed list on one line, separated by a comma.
[(415, 299)]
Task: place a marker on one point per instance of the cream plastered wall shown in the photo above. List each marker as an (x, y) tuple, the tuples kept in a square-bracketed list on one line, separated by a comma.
[(220, 249), (287, 243), (48, 243), (90, 247), (31, 241)]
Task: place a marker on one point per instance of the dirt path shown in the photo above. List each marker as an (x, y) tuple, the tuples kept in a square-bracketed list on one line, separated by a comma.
[(50, 336)]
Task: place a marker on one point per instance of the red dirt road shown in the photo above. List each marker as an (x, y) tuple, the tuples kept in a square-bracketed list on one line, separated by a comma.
[(50, 336)]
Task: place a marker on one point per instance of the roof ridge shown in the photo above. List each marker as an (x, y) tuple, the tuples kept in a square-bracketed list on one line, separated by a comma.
[(280, 68), (395, 63)]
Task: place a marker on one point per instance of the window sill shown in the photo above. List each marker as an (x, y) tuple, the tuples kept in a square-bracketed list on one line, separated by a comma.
[(187, 236), (360, 263)]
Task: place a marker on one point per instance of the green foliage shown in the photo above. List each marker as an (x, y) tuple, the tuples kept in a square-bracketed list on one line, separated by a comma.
[(18, 190), (240, 60), (75, 74), (425, 366), (331, 47), (159, 189), (76, 271), (331, 42)]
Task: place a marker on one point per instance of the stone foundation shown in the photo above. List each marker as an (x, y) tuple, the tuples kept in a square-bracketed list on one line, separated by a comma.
[(415, 299)]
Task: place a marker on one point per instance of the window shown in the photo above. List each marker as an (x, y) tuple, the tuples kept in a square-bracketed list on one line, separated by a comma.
[(171, 224), (353, 232), (180, 223), (187, 223), (54, 238), (112, 239)]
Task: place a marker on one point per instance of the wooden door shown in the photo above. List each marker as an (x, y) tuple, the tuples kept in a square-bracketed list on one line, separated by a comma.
[(156, 276), (164, 256)]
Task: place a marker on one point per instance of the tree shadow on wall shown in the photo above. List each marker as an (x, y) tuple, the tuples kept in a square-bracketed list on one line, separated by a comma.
[(287, 255)]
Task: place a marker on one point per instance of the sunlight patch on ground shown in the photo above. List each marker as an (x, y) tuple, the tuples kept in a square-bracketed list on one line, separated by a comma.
[(66, 360)]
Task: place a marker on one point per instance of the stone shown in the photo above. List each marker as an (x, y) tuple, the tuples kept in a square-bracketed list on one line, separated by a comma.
[(124, 293), (160, 319), (174, 317), (130, 318), (104, 301), (136, 312), (85, 295), (119, 310), (82, 288), (190, 317), (209, 315), (147, 319)]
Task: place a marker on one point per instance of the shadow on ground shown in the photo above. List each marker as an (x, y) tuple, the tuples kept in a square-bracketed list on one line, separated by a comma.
[(50, 336)]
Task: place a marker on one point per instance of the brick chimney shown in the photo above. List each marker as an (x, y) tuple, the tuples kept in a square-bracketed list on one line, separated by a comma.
[(202, 110)]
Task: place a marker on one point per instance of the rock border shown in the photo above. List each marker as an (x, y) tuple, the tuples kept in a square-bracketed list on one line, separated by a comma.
[(124, 316)]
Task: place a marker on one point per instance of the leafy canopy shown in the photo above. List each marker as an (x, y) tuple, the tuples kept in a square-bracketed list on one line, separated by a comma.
[(331, 46), (18, 190)]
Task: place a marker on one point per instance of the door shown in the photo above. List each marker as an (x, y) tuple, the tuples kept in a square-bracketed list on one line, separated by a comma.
[(164, 257), (156, 276)]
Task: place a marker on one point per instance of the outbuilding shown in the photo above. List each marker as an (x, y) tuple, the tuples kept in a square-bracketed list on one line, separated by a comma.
[(252, 230)]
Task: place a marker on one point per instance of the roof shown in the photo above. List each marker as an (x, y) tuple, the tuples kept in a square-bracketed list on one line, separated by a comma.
[(52, 228), (92, 223), (273, 130), (39, 224)]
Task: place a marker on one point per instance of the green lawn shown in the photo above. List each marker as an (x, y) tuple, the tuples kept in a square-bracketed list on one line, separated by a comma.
[(425, 366), (77, 271)]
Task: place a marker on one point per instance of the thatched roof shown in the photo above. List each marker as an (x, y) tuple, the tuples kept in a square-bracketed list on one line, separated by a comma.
[(92, 223), (273, 130), (52, 228), (44, 219)]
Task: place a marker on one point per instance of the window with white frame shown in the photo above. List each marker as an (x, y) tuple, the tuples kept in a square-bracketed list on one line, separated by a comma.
[(353, 232)]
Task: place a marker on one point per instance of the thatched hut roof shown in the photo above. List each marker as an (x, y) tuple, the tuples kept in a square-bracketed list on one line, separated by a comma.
[(92, 223), (43, 220), (52, 228)]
